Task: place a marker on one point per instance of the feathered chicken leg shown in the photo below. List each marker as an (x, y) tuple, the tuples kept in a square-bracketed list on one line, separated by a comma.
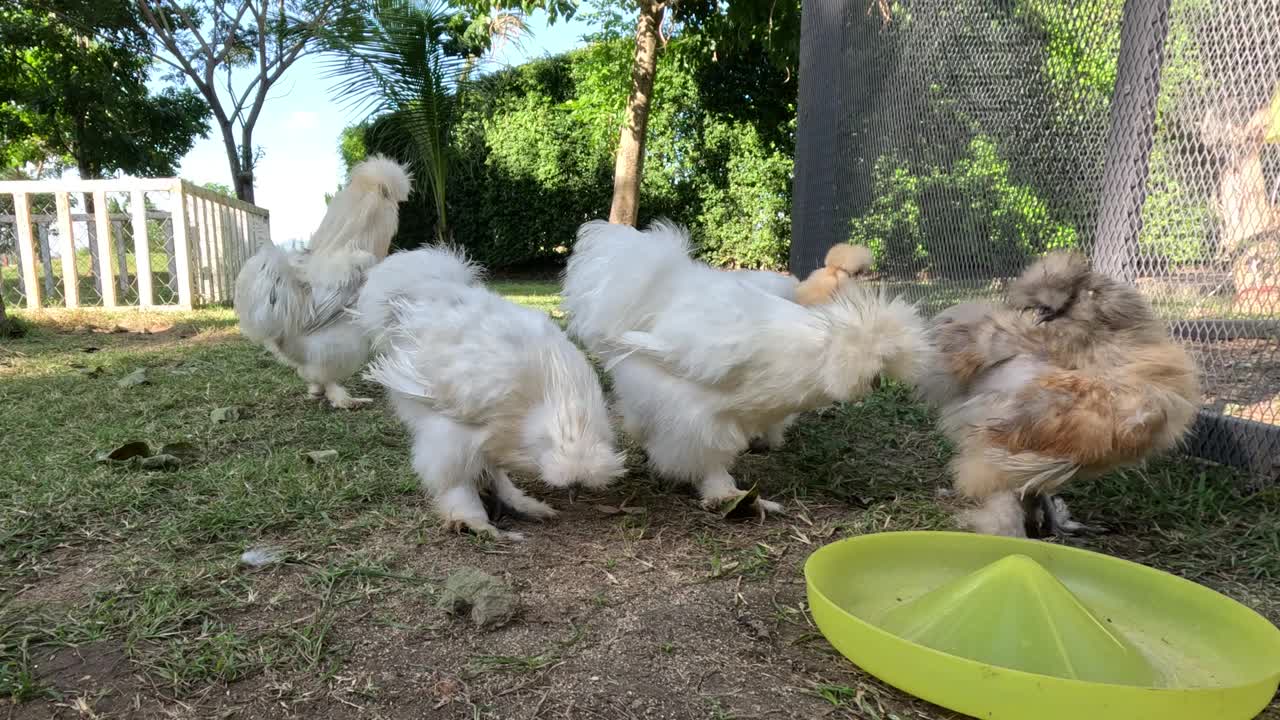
[(718, 489), (340, 398), (1056, 519)]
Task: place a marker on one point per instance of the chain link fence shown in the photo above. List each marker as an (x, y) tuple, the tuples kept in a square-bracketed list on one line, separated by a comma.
[(112, 243), (959, 138)]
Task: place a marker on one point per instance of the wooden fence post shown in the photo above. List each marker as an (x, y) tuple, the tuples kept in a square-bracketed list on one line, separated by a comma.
[(70, 277), (26, 250), (181, 246), (141, 247), (102, 235)]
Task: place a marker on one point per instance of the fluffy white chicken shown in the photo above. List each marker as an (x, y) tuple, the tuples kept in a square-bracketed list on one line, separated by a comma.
[(785, 287), (486, 388), (702, 361), (295, 303)]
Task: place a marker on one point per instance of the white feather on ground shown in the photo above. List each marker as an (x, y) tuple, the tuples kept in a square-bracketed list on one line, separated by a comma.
[(257, 557), (485, 386), (702, 362), (294, 303)]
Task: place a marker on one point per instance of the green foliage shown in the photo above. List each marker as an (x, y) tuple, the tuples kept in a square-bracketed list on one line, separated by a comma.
[(75, 85), (1027, 192), (975, 193), (1082, 50), (1081, 46), (397, 65), (351, 147), (746, 205), (534, 149), (770, 28), (220, 188)]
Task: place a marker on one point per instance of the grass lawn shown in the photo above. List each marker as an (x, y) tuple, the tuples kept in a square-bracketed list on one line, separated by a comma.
[(123, 595)]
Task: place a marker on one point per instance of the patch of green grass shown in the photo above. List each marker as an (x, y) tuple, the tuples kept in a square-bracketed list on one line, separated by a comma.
[(538, 295), (148, 561), (837, 695), (18, 678)]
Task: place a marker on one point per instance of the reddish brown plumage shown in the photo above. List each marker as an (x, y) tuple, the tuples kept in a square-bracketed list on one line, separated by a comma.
[(1072, 377)]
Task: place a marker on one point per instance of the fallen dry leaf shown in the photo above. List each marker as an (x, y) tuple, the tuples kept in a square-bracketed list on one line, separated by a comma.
[(322, 457), (135, 378), (126, 452), (744, 506), (225, 414)]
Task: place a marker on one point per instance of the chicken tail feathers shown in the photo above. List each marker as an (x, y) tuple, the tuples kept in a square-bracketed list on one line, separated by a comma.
[(869, 333), (610, 281), (394, 370), (408, 277), (364, 215), (271, 301)]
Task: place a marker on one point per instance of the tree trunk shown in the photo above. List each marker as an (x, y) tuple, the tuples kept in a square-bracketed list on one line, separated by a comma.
[(243, 189), (629, 167), (244, 178)]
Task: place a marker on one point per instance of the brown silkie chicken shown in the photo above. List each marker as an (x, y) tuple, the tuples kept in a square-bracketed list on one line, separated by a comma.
[(1073, 377), (843, 261)]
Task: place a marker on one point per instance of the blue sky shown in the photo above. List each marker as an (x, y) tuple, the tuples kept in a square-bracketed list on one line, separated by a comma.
[(298, 131)]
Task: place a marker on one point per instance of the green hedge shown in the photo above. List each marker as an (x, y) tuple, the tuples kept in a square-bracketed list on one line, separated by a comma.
[(535, 146)]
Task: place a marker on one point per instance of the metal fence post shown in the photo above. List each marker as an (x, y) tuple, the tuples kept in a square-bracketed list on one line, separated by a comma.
[(1143, 29)]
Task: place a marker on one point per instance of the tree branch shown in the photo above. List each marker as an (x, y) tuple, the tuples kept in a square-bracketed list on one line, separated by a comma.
[(231, 38), (194, 29), (165, 34)]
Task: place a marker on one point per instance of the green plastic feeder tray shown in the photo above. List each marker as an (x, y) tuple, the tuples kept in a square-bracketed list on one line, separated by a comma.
[(1013, 629)]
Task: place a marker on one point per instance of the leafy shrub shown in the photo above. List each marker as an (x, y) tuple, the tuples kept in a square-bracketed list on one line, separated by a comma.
[(534, 153), (912, 224)]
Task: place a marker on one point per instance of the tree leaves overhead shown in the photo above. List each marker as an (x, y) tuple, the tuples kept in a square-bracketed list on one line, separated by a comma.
[(74, 74), (397, 64)]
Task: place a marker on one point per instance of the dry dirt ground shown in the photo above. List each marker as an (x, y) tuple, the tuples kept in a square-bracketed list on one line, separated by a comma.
[(124, 597)]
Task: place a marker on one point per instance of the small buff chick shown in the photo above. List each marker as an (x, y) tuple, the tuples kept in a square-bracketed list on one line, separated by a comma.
[(843, 262)]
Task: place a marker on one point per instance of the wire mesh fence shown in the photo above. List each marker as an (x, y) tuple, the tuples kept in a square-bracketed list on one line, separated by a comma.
[(959, 138)]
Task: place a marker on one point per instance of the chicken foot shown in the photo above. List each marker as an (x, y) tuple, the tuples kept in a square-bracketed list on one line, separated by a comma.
[(462, 509), (1048, 516), (718, 488), (340, 398)]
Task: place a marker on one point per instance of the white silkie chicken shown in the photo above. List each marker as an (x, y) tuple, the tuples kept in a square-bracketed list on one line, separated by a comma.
[(702, 362), (785, 287), (486, 388), (295, 303)]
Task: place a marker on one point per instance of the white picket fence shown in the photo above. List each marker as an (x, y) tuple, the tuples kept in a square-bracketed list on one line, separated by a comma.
[(202, 237)]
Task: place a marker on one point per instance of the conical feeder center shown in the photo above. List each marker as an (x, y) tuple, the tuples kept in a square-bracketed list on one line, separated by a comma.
[(1015, 614)]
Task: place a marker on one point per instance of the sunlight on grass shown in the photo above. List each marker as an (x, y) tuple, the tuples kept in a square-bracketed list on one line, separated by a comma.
[(144, 563)]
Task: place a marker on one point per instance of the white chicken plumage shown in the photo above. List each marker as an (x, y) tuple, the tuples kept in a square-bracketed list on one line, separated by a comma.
[(785, 287), (702, 361), (295, 303), (485, 386)]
